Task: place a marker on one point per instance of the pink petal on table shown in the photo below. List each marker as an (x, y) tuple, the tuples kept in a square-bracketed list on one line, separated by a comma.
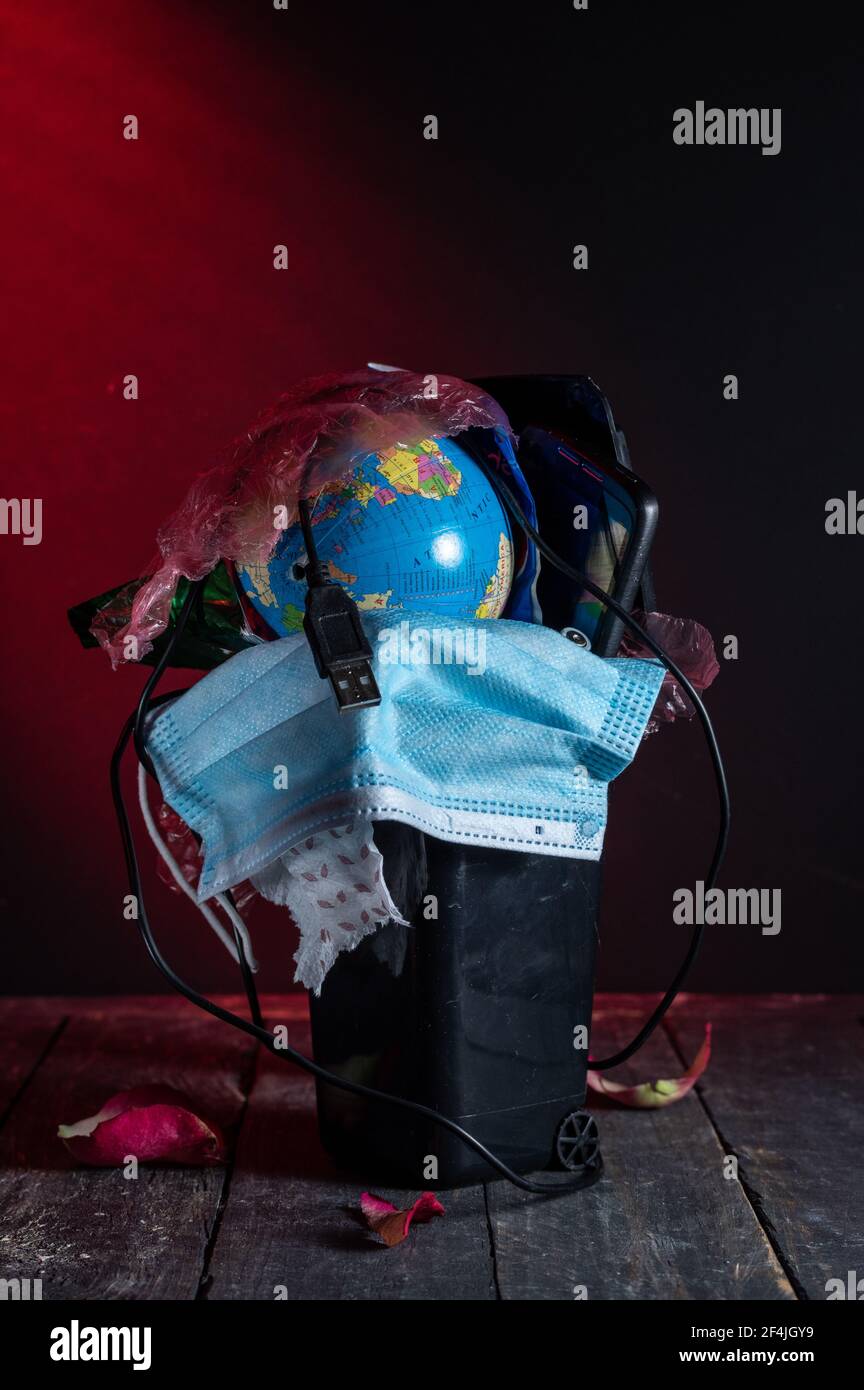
[(156, 1124), (650, 1095), (392, 1223)]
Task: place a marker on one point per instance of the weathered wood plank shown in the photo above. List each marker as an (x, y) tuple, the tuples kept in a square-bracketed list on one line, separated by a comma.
[(90, 1233), (27, 1029), (291, 1226), (782, 1093), (663, 1223), (785, 1091)]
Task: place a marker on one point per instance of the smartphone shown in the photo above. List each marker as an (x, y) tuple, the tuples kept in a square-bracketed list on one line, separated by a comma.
[(573, 455), (601, 519)]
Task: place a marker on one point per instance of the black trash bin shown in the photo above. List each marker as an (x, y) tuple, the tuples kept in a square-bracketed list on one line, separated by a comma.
[(472, 1011)]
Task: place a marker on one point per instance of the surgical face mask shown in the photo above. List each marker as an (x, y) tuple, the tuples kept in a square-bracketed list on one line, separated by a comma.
[(499, 734)]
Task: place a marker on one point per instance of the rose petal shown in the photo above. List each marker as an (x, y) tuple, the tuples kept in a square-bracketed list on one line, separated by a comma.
[(154, 1123), (392, 1223), (650, 1095), (372, 1206)]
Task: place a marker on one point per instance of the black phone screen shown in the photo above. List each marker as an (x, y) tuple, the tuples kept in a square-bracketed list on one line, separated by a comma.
[(588, 518)]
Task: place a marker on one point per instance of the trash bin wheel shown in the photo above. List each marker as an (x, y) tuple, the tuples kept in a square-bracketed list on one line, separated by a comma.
[(577, 1143)]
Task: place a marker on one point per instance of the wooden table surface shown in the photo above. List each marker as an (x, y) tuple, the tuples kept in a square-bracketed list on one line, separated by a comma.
[(782, 1095)]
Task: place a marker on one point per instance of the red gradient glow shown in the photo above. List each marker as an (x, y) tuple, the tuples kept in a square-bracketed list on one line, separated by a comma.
[(155, 257)]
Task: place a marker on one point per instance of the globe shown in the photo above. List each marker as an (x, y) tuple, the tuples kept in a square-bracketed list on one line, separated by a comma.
[(417, 527)]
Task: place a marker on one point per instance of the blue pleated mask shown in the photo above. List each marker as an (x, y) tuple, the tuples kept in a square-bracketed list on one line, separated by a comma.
[(493, 733)]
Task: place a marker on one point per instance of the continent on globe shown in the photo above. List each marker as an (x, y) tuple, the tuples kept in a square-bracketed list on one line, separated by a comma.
[(498, 588), (259, 577), (292, 617), (341, 576), (422, 469), (370, 601)]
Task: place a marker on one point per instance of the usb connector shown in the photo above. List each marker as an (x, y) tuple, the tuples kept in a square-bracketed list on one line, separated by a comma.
[(354, 686), (340, 646)]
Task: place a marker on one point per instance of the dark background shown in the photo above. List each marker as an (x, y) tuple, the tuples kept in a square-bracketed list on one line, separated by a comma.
[(155, 257)]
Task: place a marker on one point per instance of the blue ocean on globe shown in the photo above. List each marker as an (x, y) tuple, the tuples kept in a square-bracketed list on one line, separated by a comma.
[(416, 527)]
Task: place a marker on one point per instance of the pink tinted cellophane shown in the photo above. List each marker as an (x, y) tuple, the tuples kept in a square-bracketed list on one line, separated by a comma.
[(306, 441), (690, 646)]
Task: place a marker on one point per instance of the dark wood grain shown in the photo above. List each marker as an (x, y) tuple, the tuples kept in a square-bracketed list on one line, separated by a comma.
[(782, 1094), (785, 1091), (663, 1223), (28, 1028), (91, 1233), (292, 1225)]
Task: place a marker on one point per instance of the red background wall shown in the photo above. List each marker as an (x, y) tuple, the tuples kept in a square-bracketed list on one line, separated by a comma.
[(154, 257)]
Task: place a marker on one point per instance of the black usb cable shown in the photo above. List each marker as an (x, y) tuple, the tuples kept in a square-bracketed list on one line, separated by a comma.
[(341, 651), (334, 631)]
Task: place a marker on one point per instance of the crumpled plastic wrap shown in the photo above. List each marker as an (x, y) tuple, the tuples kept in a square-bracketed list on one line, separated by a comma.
[(690, 646), (307, 440), (186, 851)]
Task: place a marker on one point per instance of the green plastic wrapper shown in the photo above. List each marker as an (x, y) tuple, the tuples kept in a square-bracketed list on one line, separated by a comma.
[(215, 629)]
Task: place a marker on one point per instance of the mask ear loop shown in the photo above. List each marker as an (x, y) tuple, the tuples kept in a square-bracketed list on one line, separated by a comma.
[(605, 1063), (188, 891)]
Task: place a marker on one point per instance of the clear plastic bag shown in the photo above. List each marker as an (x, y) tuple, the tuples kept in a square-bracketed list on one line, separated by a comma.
[(307, 440), (186, 851), (690, 646)]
